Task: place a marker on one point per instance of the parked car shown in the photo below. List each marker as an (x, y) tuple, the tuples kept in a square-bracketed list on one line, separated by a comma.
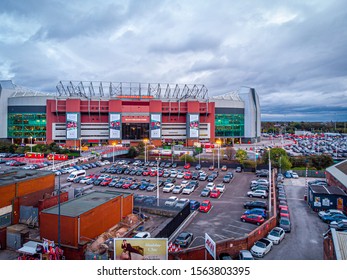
[(187, 165), (341, 225), (295, 175), (329, 212), (194, 205), (168, 187), (258, 193), (224, 257), (252, 218), (285, 224), (211, 167), (205, 192), (257, 211), (334, 217), (198, 167), (255, 204), (276, 235), (284, 212), (188, 189), (171, 201), (215, 193), (220, 187), (224, 168), (210, 186), (184, 239), (205, 206), (226, 179), (245, 255), (177, 189), (238, 169), (261, 247), (182, 202), (142, 234), (151, 187)]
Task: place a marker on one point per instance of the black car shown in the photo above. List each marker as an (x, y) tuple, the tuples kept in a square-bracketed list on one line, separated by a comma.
[(184, 239), (255, 204)]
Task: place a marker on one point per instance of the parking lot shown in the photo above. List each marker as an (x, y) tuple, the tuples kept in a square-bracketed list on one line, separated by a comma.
[(221, 222)]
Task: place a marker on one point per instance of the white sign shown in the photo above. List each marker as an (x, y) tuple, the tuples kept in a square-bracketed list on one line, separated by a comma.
[(115, 125), (210, 245), (326, 202), (72, 126), (193, 125), (155, 126)]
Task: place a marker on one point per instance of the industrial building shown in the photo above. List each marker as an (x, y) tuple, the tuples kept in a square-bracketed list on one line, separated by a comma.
[(20, 193), (337, 175), (126, 113)]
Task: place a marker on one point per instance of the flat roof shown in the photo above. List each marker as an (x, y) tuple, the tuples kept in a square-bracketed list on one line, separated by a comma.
[(82, 204), (327, 190), (12, 175)]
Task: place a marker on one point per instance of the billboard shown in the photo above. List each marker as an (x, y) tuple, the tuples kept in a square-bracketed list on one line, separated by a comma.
[(210, 246), (140, 249), (72, 126), (193, 125), (115, 125), (155, 126)]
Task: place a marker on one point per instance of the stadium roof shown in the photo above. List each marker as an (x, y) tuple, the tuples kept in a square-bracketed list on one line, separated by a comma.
[(92, 89)]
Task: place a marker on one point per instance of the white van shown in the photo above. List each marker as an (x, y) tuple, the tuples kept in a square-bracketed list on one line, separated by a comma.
[(75, 174)]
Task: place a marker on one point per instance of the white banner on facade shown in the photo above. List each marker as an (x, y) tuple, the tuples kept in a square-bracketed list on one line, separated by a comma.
[(210, 245), (155, 126), (72, 126), (115, 126), (193, 125)]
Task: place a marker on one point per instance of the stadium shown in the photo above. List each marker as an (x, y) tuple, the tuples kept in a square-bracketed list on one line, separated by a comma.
[(104, 113)]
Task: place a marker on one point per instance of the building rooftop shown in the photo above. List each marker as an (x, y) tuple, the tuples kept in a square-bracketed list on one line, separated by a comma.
[(82, 204), (340, 244), (339, 171), (14, 175), (327, 190)]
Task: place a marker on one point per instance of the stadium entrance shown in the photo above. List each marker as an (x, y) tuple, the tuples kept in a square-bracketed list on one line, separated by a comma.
[(135, 131)]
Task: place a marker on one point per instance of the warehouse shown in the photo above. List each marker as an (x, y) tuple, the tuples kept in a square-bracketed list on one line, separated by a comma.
[(83, 219), (337, 175), (20, 193), (91, 113)]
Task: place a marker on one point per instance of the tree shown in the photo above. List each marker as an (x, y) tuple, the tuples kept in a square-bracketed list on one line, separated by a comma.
[(241, 155), (132, 152), (187, 158), (230, 152), (141, 148)]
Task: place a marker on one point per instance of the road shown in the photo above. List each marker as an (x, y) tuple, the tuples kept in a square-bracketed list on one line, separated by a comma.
[(305, 241)]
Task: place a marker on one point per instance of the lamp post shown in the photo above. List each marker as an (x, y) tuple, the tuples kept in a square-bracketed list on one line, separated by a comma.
[(59, 211), (270, 182), (80, 146), (158, 159), (31, 144), (53, 160), (218, 142), (113, 145), (145, 141)]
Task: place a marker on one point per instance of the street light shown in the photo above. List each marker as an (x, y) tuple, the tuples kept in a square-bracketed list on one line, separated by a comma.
[(145, 141), (270, 181), (114, 145), (158, 159), (218, 142), (31, 144)]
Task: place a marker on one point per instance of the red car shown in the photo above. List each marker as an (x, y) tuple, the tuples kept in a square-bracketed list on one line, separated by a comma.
[(106, 182), (153, 173), (252, 218), (284, 213), (215, 193), (127, 184), (211, 167), (187, 165), (205, 206), (187, 175), (145, 173)]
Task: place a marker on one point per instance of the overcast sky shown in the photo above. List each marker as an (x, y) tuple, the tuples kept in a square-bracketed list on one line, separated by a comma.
[(294, 53)]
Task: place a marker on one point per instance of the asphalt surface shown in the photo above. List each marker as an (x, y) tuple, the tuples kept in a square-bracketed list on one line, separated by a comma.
[(305, 241)]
